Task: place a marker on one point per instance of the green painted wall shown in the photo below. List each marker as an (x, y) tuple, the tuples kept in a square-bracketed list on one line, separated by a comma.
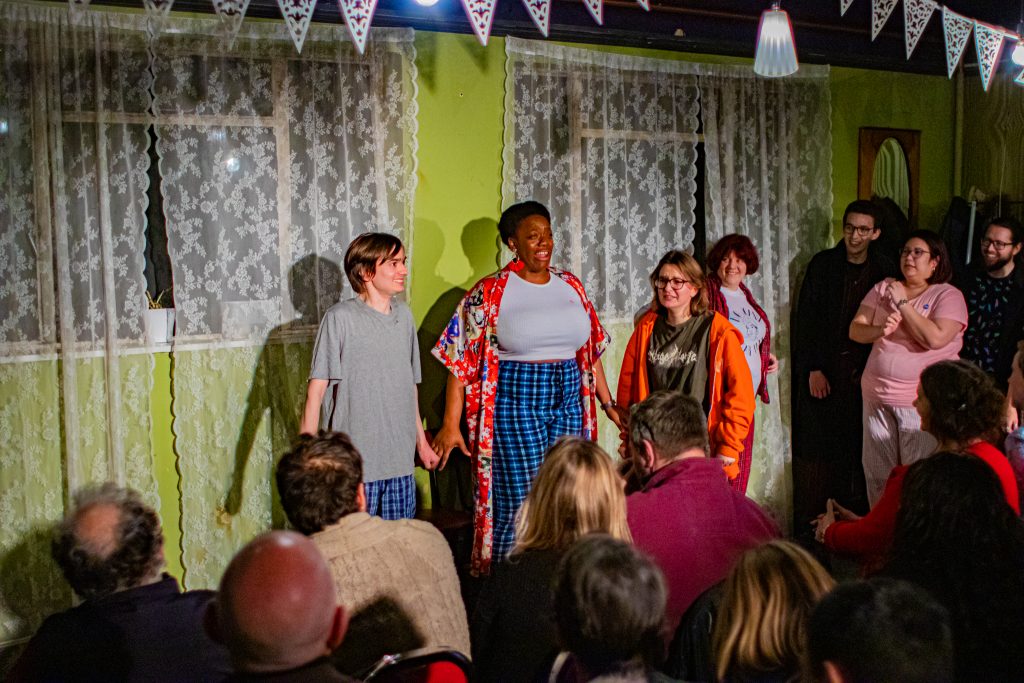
[(461, 93)]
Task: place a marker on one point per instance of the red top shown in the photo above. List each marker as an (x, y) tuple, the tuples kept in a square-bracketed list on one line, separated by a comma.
[(869, 537)]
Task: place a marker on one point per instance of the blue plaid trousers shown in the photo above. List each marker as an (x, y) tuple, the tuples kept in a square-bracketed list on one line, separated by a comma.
[(393, 498), (534, 405)]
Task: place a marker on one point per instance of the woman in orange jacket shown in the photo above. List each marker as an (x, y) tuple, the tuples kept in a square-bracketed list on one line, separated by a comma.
[(682, 345)]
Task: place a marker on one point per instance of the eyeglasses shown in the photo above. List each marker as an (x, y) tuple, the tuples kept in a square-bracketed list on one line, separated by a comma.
[(999, 245), (916, 252), (861, 230), (675, 283)]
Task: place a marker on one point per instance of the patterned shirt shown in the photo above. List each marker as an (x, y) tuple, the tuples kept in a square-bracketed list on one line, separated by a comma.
[(987, 301)]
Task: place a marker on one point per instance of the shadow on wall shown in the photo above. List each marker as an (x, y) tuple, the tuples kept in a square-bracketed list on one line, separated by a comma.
[(279, 383), (31, 586), (481, 247)]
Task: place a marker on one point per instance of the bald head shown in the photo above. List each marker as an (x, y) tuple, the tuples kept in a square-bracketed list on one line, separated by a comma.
[(277, 607), (109, 541)]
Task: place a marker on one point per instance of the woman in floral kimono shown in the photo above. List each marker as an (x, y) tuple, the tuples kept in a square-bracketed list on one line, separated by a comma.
[(523, 350)]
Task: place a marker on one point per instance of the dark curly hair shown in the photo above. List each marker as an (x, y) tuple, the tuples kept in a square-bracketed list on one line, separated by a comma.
[(318, 480), (957, 536), (516, 214), (738, 244), (96, 565), (964, 403)]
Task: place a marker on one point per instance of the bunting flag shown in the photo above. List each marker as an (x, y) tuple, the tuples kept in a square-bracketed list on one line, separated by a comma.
[(989, 43), (358, 15), (540, 12), (843, 6), (916, 14), (231, 13), (957, 30), (881, 10), (481, 16), (156, 12), (646, 4), (1020, 78), (596, 10), (297, 15)]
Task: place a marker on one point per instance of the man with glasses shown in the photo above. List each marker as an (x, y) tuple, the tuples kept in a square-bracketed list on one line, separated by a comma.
[(995, 301), (827, 366)]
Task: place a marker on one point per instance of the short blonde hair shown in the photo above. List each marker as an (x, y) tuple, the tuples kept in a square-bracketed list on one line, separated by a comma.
[(577, 491), (693, 272), (767, 600)]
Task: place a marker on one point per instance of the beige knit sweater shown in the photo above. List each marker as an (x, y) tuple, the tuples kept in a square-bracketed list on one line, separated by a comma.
[(398, 581)]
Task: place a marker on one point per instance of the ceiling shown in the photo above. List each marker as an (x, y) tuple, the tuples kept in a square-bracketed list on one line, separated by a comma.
[(724, 27)]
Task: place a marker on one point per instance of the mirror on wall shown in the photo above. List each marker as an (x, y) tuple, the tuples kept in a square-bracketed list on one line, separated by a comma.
[(888, 166)]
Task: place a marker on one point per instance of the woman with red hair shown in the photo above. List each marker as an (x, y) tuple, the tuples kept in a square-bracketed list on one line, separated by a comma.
[(731, 259)]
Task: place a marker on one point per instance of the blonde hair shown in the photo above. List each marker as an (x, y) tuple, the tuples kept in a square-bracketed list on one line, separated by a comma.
[(766, 603), (577, 491), (692, 271)]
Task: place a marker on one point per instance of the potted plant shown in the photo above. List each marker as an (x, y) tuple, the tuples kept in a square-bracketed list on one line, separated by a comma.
[(159, 318)]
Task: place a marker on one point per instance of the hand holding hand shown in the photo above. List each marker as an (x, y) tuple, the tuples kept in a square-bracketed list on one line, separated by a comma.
[(773, 363), (819, 384), (445, 440), (428, 457), (891, 323), (842, 513)]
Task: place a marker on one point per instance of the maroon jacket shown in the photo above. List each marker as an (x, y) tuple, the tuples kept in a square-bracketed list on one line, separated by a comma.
[(695, 527)]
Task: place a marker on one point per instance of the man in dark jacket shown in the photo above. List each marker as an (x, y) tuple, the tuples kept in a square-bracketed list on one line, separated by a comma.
[(134, 623), (827, 367), (995, 301)]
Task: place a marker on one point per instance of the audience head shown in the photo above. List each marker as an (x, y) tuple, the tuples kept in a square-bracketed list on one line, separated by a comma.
[(516, 214), (958, 404), (577, 491), (109, 541), (933, 263), (320, 481), (879, 631), (610, 606), (738, 246), (766, 602), (864, 207), (277, 608), (365, 253), (665, 426), (1001, 242), (679, 264)]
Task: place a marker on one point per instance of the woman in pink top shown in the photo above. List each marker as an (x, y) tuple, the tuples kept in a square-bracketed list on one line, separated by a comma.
[(912, 323)]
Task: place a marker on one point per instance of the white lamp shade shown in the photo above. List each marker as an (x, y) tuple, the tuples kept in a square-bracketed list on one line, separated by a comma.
[(776, 50)]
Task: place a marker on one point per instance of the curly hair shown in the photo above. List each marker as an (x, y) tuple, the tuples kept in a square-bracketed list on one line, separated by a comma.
[(516, 214), (318, 480), (964, 404), (767, 600), (98, 562), (957, 537), (739, 245)]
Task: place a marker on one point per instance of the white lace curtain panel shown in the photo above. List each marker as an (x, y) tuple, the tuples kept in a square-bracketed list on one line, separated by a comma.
[(612, 143), (269, 164)]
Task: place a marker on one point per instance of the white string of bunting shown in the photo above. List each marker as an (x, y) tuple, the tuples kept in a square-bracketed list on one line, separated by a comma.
[(957, 29)]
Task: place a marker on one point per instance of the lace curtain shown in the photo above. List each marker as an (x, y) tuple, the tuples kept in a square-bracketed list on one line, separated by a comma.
[(271, 162), (74, 368), (612, 143)]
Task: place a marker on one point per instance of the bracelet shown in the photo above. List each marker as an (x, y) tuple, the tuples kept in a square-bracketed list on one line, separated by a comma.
[(900, 303), (610, 403)]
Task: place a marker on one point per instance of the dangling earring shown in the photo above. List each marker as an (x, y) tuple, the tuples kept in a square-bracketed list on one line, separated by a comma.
[(515, 255)]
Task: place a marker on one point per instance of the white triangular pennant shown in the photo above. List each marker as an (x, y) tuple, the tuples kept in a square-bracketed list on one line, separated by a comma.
[(481, 15), (540, 12), (916, 14), (646, 4), (1020, 78), (957, 29), (843, 6), (358, 15), (596, 10), (989, 43), (297, 15), (881, 10), (231, 13)]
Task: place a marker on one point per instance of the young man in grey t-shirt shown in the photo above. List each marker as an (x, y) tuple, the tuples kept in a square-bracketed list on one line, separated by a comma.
[(366, 366)]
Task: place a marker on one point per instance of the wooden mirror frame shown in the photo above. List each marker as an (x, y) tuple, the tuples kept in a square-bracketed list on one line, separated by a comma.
[(870, 142)]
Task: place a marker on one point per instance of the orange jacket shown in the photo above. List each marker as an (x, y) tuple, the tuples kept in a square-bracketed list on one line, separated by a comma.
[(731, 392)]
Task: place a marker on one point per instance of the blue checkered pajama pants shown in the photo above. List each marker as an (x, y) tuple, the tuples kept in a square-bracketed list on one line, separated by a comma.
[(391, 498), (534, 405)]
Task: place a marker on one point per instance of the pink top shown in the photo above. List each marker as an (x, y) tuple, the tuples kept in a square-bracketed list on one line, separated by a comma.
[(895, 364)]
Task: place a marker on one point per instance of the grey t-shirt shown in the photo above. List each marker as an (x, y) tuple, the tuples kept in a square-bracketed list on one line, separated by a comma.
[(372, 364)]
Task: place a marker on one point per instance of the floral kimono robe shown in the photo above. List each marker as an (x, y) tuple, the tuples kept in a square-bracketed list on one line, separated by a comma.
[(469, 349)]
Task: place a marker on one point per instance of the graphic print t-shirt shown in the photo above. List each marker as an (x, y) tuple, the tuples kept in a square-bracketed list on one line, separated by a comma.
[(677, 356)]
